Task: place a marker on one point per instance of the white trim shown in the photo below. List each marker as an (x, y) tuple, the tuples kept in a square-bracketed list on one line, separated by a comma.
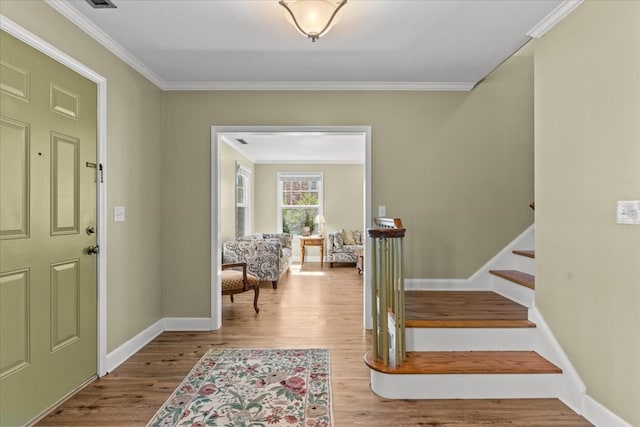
[(600, 416), (465, 386), (53, 52), (187, 323), (65, 9), (313, 86), (555, 16), (505, 256), (216, 247), (131, 347), (470, 339), (548, 347)]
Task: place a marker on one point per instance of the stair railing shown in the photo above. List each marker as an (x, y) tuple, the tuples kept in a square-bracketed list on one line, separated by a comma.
[(387, 296)]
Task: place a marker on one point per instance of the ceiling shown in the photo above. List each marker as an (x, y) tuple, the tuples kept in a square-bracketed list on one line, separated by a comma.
[(299, 146), (377, 44)]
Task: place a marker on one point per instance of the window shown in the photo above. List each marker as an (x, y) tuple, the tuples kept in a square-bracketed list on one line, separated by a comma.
[(243, 201), (299, 201)]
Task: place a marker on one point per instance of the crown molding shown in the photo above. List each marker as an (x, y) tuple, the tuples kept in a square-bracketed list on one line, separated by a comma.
[(319, 86), (63, 7), (556, 15)]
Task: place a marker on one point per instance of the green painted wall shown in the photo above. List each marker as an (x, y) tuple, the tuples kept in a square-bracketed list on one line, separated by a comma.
[(134, 171), (587, 154), (457, 167)]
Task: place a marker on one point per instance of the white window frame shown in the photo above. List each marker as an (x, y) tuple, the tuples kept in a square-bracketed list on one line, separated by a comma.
[(245, 175), (299, 174)]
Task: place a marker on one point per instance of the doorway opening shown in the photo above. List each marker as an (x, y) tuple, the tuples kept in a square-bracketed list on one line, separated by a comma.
[(354, 139)]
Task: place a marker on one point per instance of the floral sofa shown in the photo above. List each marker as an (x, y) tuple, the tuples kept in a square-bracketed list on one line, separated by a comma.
[(343, 244), (268, 255)]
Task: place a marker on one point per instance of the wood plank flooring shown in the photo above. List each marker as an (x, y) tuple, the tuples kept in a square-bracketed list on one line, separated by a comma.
[(311, 308)]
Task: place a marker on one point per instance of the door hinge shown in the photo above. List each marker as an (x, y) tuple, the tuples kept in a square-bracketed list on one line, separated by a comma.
[(101, 171)]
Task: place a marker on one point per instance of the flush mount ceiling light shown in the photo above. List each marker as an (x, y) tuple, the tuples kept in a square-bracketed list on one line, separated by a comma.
[(313, 18)]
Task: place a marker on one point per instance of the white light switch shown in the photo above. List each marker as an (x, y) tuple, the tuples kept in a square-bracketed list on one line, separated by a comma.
[(628, 212), (382, 210), (118, 214)]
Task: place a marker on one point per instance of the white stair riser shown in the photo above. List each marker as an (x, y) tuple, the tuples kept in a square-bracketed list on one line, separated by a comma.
[(524, 264), (518, 293), (470, 339), (466, 386)]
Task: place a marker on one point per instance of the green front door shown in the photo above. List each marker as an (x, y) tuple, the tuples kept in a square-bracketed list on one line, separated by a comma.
[(47, 220)]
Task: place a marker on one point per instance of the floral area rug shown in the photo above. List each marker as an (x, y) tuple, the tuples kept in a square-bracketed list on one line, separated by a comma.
[(251, 388)]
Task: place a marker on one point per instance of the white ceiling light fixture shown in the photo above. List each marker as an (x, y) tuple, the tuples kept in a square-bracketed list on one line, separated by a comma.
[(313, 18)]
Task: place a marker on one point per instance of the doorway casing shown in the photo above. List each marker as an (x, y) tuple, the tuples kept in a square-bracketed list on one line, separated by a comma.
[(216, 245)]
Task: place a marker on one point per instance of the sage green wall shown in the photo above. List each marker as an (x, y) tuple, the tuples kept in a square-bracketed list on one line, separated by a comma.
[(134, 171), (587, 154), (457, 167), (228, 159), (343, 191)]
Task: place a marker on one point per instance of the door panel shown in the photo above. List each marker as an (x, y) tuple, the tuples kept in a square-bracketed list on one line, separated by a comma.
[(48, 343)]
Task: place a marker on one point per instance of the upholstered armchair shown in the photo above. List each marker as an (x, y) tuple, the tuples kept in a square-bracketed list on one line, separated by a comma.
[(234, 282), (268, 255), (343, 244)]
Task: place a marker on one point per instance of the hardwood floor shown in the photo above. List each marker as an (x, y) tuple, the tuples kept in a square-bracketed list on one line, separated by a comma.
[(311, 308)]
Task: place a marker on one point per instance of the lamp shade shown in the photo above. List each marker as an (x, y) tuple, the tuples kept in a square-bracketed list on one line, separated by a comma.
[(313, 18), (319, 219)]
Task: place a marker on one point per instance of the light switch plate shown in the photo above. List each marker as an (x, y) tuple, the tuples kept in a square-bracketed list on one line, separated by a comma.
[(382, 210), (118, 214), (628, 212)]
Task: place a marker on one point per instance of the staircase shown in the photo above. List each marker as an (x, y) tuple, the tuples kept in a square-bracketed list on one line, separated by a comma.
[(483, 343)]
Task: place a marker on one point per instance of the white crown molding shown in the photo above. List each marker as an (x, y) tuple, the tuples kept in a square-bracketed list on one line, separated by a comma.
[(313, 86), (556, 15), (63, 7), (69, 12)]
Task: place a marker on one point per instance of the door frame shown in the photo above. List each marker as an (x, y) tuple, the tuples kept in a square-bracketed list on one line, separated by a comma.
[(216, 245), (58, 55)]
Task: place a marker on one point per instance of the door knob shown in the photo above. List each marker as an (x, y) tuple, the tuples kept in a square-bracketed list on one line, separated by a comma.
[(93, 249)]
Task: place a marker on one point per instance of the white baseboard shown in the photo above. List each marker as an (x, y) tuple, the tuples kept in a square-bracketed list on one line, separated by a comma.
[(129, 348), (600, 416), (187, 323), (548, 347)]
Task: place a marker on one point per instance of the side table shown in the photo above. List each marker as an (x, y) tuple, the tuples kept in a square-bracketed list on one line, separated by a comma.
[(311, 241)]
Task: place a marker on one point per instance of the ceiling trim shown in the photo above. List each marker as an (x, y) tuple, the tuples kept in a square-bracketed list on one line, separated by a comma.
[(63, 7), (248, 85), (556, 15)]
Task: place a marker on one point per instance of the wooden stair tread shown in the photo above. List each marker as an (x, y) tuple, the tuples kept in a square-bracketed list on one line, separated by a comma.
[(468, 362), (516, 276), (525, 253), (473, 323), (455, 307)]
